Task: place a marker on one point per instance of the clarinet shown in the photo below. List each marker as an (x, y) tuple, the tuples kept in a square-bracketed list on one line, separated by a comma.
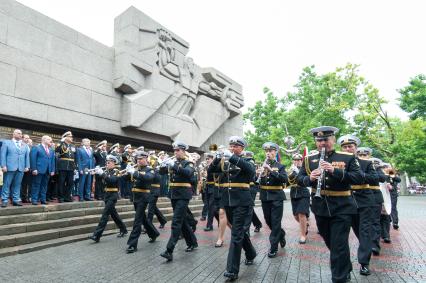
[(319, 182), (262, 171)]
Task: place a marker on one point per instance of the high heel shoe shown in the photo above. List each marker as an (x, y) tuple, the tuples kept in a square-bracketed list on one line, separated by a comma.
[(218, 245)]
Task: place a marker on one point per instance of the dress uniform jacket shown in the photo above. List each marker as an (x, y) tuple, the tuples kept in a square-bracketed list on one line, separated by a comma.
[(272, 185), (364, 196), (142, 179), (296, 191), (66, 157), (180, 177), (337, 198)]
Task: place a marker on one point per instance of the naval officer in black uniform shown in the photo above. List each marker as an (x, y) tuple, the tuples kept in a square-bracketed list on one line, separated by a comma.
[(334, 206)]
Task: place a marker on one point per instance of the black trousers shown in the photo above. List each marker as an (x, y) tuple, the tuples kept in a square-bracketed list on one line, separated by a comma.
[(109, 210), (211, 210), (26, 187), (361, 225), (254, 219), (205, 210), (180, 224), (394, 210), (240, 219), (52, 187), (376, 212), (385, 221), (66, 181), (99, 187), (273, 213), (141, 219), (153, 210), (335, 232)]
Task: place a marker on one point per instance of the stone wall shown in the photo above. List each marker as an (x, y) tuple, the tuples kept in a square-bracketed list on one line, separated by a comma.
[(144, 87)]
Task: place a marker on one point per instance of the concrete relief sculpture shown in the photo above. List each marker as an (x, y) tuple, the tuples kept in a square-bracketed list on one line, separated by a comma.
[(160, 83)]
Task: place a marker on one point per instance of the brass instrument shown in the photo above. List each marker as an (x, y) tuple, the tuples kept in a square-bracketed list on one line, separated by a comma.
[(213, 147), (124, 171), (92, 171)]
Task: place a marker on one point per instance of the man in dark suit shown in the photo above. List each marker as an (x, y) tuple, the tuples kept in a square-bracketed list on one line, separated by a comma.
[(15, 160), (85, 161), (42, 160)]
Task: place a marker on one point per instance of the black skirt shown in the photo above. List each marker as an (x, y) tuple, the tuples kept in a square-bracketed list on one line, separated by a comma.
[(300, 206)]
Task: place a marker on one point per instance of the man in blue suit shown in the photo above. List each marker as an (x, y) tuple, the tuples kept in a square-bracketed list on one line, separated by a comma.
[(85, 161), (15, 160), (42, 160)]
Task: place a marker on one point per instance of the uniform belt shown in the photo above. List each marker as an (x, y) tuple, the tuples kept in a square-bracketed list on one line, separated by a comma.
[(110, 190), (180, 185), (217, 184), (137, 190), (69, 159), (155, 185), (335, 193), (374, 187), (360, 187), (235, 185), (251, 183), (209, 183), (271, 187)]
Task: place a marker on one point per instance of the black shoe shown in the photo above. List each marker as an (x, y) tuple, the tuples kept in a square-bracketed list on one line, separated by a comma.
[(395, 226), (191, 248), (364, 270), (272, 254), (88, 199), (94, 238), (43, 202), (387, 240), (249, 261), (122, 234), (17, 204), (230, 275), (162, 225), (167, 255), (207, 229), (68, 200), (34, 203), (375, 251), (257, 229), (60, 200), (152, 240), (143, 231), (203, 219), (283, 242), (131, 249), (348, 277), (4, 204)]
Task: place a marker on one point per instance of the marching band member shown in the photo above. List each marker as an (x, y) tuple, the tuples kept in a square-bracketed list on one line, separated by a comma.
[(100, 155), (110, 176), (155, 194), (254, 189), (272, 196), (299, 198)]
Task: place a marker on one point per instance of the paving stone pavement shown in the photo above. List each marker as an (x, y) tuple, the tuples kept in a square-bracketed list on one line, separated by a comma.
[(402, 261)]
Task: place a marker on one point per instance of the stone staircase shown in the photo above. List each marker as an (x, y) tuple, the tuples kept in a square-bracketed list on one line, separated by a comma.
[(30, 228)]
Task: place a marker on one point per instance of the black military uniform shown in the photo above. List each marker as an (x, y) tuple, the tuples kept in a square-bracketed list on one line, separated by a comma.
[(336, 206), (65, 165), (299, 195), (237, 172), (364, 198), (180, 174), (272, 197), (100, 161), (394, 181), (125, 183), (254, 189), (110, 178), (152, 206), (209, 188), (141, 191)]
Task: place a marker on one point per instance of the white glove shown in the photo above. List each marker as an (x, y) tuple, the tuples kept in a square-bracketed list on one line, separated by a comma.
[(128, 167), (295, 169), (170, 163), (99, 171), (219, 155), (131, 170), (227, 153)]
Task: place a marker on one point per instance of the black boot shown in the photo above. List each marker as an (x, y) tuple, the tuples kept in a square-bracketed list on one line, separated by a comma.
[(167, 255), (122, 234), (230, 275), (364, 270), (131, 249), (94, 238)]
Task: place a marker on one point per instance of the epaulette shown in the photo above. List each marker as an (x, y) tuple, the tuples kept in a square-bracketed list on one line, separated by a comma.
[(347, 153)]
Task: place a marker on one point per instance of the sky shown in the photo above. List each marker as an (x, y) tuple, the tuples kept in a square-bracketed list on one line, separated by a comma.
[(268, 43)]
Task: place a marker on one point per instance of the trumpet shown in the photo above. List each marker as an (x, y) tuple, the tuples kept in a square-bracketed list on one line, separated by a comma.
[(164, 161), (93, 170), (124, 171)]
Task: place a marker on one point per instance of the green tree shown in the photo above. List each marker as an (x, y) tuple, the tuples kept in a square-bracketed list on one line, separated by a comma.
[(413, 97)]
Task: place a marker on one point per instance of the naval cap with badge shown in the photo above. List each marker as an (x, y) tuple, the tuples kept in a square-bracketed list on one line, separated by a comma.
[(112, 158), (349, 139), (142, 154), (297, 156), (323, 133), (364, 151), (270, 146), (67, 134), (102, 143), (180, 145), (236, 140)]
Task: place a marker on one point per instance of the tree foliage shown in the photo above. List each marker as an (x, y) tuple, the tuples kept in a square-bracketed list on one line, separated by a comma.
[(413, 97)]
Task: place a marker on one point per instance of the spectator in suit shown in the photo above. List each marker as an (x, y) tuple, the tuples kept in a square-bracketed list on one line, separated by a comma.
[(27, 178), (15, 160), (52, 186), (42, 160), (85, 161)]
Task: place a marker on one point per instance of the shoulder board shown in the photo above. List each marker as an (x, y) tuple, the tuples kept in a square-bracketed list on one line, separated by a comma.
[(346, 153)]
